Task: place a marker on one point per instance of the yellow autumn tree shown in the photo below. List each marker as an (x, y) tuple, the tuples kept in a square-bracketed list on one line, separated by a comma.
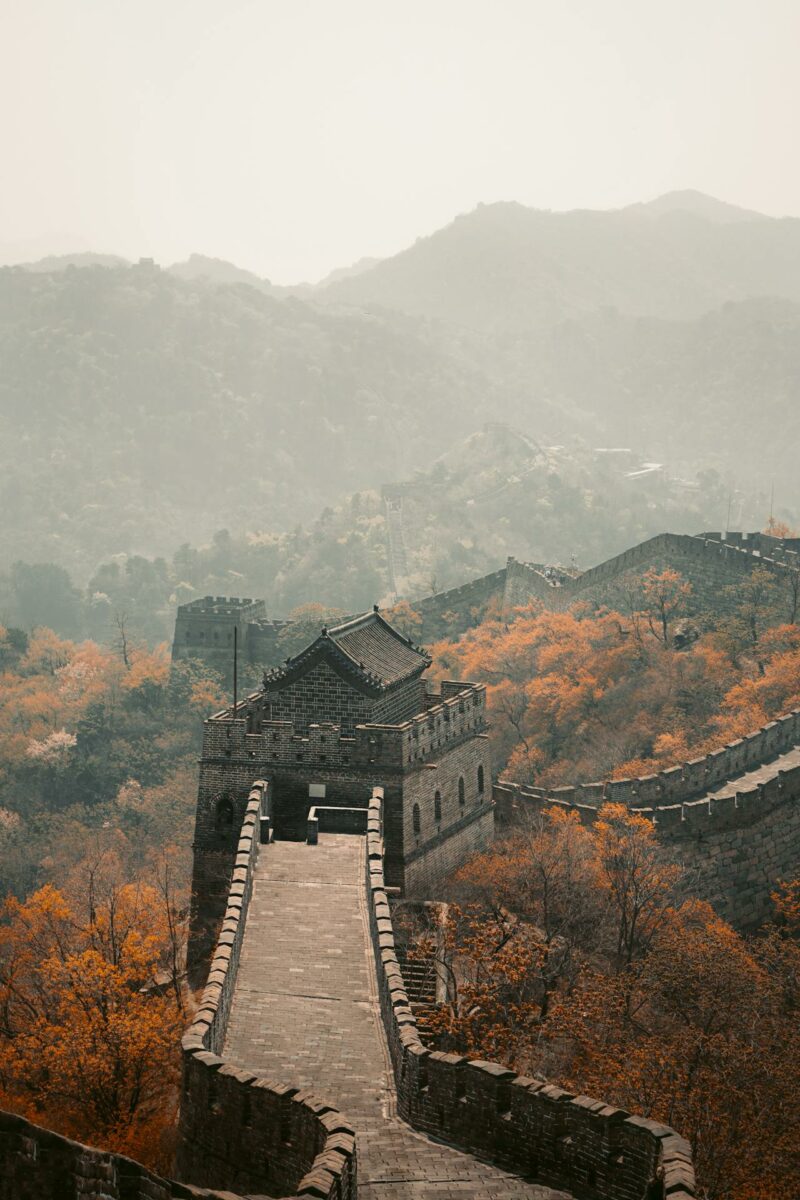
[(88, 1046)]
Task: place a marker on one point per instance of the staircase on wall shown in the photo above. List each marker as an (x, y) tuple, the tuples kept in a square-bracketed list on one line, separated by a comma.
[(398, 558)]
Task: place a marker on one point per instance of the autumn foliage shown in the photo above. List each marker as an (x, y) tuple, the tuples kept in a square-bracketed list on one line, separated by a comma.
[(91, 1010), (584, 695), (97, 782), (576, 954)]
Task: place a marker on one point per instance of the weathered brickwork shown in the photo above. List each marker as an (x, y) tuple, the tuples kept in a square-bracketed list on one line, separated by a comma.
[(439, 847), (411, 759), (711, 566), (272, 1138), (582, 1145), (37, 1164), (321, 695), (732, 818)]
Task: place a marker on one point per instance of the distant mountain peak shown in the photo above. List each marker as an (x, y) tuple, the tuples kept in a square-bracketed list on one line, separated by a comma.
[(357, 268), (689, 200), (218, 270)]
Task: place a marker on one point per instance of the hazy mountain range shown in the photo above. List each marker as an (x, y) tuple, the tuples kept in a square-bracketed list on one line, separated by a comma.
[(142, 407), (507, 269)]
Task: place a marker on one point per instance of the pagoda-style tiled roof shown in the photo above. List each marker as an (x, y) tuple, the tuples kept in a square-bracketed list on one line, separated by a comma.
[(365, 649)]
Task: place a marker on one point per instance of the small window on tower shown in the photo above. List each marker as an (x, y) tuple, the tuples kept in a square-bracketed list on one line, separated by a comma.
[(437, 806), (480, 781), (224, 815), (462, 799), (415, 817)]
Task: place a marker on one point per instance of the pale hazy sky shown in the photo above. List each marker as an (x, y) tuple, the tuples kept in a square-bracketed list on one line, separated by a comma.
[(293, 137)]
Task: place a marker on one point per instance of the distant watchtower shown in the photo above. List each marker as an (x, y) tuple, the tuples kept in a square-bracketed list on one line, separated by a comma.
[(204, 628), (349, 713)]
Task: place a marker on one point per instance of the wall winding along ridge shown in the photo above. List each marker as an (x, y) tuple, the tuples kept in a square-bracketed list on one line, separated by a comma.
[(711, 562), (522, 1124), (732, 817), (239, 1131)]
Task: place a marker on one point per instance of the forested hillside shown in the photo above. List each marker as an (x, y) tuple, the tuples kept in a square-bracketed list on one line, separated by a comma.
[(585, 695), (139, 410), (143, 409), (494, 494), (509, 269)]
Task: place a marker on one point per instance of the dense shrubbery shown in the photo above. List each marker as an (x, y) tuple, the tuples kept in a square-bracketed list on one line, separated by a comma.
[(576, 954), (93, 747), (97, 786), (582, 695)]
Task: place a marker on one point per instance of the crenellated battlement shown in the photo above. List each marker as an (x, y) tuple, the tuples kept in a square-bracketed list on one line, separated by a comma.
[(221, 606), (732, 817), (587, 1146), (691, 779), (316, 1155), (708, 560), (457, 712)]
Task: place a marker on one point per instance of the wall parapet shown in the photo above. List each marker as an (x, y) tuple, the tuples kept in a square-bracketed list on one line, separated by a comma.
[(737, 553), (692, 779), (456, 713), (273, 1138), (736, 809), (36, 1162), (525, 1125)]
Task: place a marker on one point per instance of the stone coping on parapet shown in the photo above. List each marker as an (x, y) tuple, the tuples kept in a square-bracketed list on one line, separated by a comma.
[(735, 809), (737, 554), (689, 780), (34, 1157), (234, 1123), (525, 1125), (219, 606), (457, 713)]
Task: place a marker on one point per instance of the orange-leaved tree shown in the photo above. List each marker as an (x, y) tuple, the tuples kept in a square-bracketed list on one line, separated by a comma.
[(88, 1042), (575, 955)]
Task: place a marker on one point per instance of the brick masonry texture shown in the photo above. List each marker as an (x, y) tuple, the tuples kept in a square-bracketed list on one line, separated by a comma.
[(731, 818), (306, 1011), (304, 969), (37, 1164), (572, 1142), (443, 741), (237, 1129)]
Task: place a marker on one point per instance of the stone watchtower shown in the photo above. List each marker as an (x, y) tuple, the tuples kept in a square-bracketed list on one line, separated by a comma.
[(347, 714)]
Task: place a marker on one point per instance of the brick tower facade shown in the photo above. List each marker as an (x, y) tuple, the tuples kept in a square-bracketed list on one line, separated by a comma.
[(347, 714)]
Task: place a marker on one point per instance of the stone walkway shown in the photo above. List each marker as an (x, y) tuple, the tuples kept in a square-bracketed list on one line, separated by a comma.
[(762, 774), (306, 1013)]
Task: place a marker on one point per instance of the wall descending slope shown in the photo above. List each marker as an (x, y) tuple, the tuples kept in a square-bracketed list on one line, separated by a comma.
[(711, 562), (446, 614), (732, 817), (239, 1131), (585, 1146)]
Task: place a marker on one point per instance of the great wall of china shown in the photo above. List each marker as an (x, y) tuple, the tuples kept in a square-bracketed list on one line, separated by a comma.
[(732, 817), (711, 562), (304, 1071), (417, 1123)]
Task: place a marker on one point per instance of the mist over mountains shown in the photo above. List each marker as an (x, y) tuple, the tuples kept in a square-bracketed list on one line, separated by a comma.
[(141, 408), (508, 269)]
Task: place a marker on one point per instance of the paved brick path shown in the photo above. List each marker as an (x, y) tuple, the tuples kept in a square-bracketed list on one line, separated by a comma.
[(306, 1013), (762, 774)]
